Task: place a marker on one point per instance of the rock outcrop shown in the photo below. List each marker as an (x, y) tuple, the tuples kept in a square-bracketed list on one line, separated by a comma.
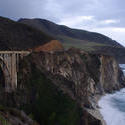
[(11, 116)]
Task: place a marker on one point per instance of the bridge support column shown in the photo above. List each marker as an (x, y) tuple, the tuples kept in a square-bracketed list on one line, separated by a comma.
[(9, 63)]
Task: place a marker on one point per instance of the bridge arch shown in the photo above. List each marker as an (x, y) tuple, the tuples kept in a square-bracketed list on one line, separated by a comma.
[(6, 75)]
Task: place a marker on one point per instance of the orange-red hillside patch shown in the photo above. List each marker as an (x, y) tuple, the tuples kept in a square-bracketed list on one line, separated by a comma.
[(53, 45)]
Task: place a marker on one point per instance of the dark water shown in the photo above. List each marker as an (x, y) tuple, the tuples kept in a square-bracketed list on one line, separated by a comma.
[(113, 106)]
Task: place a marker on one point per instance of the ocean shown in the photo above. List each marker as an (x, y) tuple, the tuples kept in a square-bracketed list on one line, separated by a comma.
[(112, 106)]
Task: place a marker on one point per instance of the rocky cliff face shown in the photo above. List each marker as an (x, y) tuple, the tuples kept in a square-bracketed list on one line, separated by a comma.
[(88, 74), (109, 77), (62, 87)]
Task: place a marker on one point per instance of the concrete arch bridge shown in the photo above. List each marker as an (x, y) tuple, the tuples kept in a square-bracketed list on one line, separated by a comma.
[(9, 61)]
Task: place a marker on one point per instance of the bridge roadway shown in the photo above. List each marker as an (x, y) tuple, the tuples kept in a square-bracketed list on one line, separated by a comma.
[(16, 52)]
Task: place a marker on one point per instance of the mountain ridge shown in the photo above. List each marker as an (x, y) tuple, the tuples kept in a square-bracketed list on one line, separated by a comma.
[(65, 30), (85, 40)]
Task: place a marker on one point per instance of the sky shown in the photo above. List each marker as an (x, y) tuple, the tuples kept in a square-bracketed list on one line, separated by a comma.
[(103, 16)]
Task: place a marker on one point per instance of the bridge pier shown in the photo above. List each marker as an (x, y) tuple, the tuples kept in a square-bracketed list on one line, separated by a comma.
[(9, 61)]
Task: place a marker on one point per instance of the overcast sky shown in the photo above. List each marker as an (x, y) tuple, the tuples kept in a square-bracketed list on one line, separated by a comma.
[(103, 16)]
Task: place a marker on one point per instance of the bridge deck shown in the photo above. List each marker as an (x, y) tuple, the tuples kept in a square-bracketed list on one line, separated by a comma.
[(15, 52)]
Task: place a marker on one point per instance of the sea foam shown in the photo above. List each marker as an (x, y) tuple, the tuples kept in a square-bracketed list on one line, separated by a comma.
[(112, 106)]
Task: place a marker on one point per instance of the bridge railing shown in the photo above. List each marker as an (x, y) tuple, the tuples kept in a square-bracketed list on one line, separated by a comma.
[(15, 52)]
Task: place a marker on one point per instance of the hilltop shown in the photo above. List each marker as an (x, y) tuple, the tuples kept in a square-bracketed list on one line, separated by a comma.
[(17, 36)]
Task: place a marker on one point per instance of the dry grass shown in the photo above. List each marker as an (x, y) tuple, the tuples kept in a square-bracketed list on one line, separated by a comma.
[(53, 45)]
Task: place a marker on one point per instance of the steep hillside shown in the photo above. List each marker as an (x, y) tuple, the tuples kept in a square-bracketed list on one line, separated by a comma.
[(88, 41), (17, 36), (65, 33)]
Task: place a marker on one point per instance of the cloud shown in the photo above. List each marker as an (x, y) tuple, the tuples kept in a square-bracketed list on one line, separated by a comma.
[(16, 9), (117, 29), (87, 22), (110, 21), (74, 21), (56, 10)]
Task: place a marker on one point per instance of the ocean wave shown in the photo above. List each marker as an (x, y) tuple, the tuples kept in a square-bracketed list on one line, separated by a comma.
[(112, 108)]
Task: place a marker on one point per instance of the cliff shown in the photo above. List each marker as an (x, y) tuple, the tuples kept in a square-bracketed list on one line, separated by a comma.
[(89, 74), (62, 87)]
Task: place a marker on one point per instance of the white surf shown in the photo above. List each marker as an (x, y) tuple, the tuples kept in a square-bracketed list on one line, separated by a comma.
[(112, 106)]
